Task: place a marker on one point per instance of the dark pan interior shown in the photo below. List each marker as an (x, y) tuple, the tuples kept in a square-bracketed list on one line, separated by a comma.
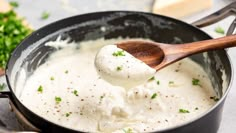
[(116, 24)]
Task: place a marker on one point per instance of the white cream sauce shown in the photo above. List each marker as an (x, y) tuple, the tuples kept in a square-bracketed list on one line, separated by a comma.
[(72, 94), (121, 68)]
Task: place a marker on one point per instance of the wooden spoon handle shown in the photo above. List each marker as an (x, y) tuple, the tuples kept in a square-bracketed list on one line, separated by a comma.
[(201, 46)]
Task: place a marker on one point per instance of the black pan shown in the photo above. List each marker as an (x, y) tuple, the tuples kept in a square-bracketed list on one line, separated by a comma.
[(120, 24)]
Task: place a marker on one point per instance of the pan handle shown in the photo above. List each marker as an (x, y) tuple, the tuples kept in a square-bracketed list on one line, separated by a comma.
[(25, 124), (217, 16)]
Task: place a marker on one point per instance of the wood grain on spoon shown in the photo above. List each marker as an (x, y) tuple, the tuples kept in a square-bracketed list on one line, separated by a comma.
[(159, 55)]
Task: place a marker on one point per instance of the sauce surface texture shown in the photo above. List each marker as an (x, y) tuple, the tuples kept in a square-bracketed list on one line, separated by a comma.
[(67, 90)]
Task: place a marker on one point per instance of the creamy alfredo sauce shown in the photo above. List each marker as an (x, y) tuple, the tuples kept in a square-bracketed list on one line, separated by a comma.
[(67, 90), (121, 68)]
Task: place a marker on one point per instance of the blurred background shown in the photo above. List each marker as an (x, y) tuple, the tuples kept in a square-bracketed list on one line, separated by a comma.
[(38, 13)]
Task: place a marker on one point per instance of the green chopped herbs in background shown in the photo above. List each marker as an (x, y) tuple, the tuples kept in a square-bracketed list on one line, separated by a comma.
[(12, 32), (14, 4), (40, 89), (219, 30), (68, 114), (154, 96), (119, 53), (2, 86), (45, 15), (171, 82), (158, 82), (58, 99), (183, 111)]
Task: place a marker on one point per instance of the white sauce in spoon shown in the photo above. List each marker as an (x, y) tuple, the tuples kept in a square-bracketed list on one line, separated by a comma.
[(121, 68), (67, 90)]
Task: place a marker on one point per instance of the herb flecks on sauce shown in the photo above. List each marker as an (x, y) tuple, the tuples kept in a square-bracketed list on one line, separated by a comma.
[(75, 92), (215, 98), (68, 114), (129, 130), (158, 82), (183, 111), (66, 71), (152, 78), (40, 89), (12, 32), (195, 81), (52, 78), (119, 53), (58, 99), (119, 68), (154, 96)]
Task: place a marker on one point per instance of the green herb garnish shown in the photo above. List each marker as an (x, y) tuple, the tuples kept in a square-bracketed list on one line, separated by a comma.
[(171, 82), (119, 53), (183, 111), (195, 81), (51, 78), (40, 89), (66, 71), (152, 78), (158, 82), (57, 99), (14, 4), (129, 130), (75, 92), (154, 96), (215, 98), (119, 68), (68, 114), (12, 32), (196, 108), (2, 86), (219, 30), (45, 15)]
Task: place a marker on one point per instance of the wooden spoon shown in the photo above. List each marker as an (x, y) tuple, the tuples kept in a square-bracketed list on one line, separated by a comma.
[(159, 55)]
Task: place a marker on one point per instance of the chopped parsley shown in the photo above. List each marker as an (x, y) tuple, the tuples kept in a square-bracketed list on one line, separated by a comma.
[(40, 89), (196, 108), (219, 30), (75, 92), (45, 15), (12, 32), (215, 98), (14, 4), (154, 96), (171, 82), (183, 111), (66, 72), (119, 68), (51, 78), (57, 99), (129, 130), (152, 78), (2, 86), (195, 81), (119, 53), (68, 114), (158, 82)]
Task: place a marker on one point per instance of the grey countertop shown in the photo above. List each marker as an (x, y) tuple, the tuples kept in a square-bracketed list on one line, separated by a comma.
[(58, 9)]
